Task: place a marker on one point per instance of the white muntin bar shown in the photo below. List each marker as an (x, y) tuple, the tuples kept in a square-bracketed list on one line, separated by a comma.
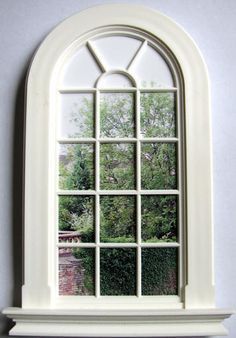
[(97, 200), (159, 139), (76, 140), (158, 90), (118, 90), (118, 140), (137, 55), (76, 192), (119, 245), (75, 90), (117, 192), (181, 198), (96, 57), (97, 271), (138, 187)]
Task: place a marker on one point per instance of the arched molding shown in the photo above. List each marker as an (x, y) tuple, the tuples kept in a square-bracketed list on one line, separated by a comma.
[(39, 303)]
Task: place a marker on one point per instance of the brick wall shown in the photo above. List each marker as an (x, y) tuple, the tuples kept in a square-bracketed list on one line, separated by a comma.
[(71, 274)]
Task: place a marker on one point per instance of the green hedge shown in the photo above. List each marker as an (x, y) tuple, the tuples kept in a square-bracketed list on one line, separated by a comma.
[(118, 270)]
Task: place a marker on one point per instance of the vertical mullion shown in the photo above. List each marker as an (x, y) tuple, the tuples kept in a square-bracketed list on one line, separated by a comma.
[(97, 199), (180, 196), (138, 188)]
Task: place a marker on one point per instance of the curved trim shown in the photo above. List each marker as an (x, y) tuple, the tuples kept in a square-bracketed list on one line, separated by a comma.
[(113, 72), (199, 291)]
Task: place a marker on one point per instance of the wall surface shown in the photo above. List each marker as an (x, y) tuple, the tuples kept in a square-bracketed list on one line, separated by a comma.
[(23, 25)]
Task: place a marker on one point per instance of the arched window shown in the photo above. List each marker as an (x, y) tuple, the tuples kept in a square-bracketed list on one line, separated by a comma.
[(118, 224), (120, 181)]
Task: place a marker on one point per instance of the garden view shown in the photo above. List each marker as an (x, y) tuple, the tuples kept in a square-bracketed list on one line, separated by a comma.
[(118, 213)]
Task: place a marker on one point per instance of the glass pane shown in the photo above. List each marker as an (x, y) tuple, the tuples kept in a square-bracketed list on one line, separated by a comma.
[(76, 166), (159, 218), (159, 167), (76, 219), (115, 81), (117, 115), (76, 271), (118, 219), (158, 115), (159, 271), (76, 115), (81, 70), (117, 166), (116, 51), (151, 70), (118, 271)]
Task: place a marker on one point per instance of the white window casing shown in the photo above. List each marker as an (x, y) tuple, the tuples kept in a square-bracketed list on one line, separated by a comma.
[(43, 312)]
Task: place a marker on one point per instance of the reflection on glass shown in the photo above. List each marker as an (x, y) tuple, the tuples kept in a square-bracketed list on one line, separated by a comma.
[(76, 115), (159, 218), (116, 51), (81, 70), (115, 80), (158, 166), (117, 115), (118, 271), (117, 219), (158, 114), (159, 271), (76, 219), (117, 166), (76, 166), (76, 271), (151, 70)]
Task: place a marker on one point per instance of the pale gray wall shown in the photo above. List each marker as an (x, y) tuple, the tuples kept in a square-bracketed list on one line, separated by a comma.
[(212, 24)]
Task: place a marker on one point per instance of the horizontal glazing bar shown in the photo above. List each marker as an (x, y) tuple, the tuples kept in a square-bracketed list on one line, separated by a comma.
[(158, 90), (119, 245), (159, 139), (76, 192), (112, 90), (118, 192), (159, 192), (74, 90), (119, 90), (77, 140), (118, 140)]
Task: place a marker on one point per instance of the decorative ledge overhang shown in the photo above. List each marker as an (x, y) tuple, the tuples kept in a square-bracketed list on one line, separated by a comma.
[(118, 323)]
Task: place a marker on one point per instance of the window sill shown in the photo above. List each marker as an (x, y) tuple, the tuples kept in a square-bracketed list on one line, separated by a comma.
[(118, 323)]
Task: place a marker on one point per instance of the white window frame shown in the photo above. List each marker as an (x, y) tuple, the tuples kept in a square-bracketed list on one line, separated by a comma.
[(41, 313)]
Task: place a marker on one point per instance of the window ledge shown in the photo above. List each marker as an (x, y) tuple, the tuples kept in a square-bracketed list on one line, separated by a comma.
[(118, 323)]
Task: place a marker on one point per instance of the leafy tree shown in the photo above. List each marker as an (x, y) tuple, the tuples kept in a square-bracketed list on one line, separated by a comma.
[(117, 213)]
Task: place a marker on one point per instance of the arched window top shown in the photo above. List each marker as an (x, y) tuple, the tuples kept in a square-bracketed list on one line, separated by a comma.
[(75, 58), (128, 52)]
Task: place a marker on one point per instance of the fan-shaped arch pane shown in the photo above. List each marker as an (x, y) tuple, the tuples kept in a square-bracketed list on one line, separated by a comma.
[(117, 51), (151, 70), (81, 70)]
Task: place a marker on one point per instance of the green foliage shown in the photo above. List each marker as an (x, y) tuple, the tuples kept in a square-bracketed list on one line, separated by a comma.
[(159, 218), (77, 213), (118, 213), (158, 166), (87, 255), (118, 221), (117, 115), (159, 271), (117, 166), (117, 270), (77, 167), (158, 114)]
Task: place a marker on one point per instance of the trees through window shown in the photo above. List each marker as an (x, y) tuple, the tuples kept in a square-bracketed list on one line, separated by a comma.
[(119, 181)]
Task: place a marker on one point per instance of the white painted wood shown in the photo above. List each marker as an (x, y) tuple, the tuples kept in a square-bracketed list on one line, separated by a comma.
[(118, 323), (39, 314)]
